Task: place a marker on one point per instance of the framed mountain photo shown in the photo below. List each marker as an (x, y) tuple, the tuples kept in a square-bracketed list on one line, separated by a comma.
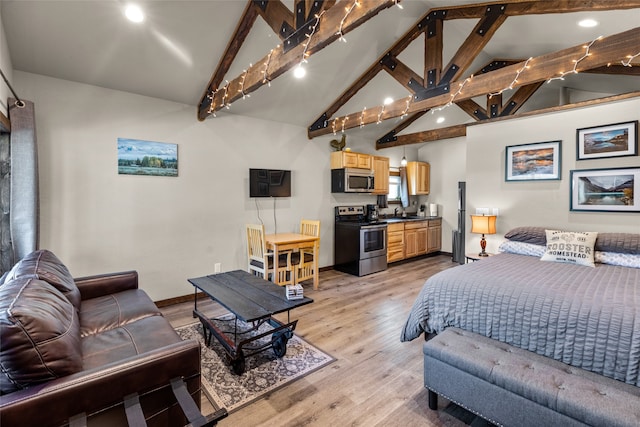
[(605, 190), (615, 140)]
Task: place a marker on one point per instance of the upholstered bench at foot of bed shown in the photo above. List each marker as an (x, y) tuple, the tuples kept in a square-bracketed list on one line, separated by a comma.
[(515, 387)]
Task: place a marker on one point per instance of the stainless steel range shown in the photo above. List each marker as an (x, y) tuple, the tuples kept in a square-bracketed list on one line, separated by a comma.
[(360, 244)]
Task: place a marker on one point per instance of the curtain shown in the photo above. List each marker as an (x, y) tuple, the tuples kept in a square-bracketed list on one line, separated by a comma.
[(404, 187), (22, 203), (6, 254)]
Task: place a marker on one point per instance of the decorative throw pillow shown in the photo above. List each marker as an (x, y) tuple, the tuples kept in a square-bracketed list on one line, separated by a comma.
[(572, 247), (39, 332), (44, 265)]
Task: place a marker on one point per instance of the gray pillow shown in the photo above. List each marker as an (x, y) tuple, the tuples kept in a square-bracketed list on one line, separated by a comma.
[(623, 243), (533, 235)]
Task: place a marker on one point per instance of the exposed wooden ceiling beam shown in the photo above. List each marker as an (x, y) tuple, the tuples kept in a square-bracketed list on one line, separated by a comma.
[(426, 136), (456, 131), (241, 32), (277, 16), (491, 16), (391, 137), (622, 70), (280, 60), (539, 69), (403, 74)]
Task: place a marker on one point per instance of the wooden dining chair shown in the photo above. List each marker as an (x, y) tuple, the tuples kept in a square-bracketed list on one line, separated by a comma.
[(260, 261), (304, 270)]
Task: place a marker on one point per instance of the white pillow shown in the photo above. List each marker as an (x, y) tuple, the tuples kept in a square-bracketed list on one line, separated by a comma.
[(615, 258), (522, 248), (572, 247)]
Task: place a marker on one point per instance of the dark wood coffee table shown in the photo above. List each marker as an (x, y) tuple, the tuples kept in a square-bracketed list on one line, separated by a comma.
[(253, 300)]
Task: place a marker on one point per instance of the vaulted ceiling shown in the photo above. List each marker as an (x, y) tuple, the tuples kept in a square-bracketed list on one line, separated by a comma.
[(434, 58)]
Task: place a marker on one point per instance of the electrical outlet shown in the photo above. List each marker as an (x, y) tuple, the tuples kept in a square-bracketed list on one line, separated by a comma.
[(217, 267)]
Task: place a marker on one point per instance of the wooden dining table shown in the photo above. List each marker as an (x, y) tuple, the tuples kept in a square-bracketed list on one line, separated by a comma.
[(281, 242)]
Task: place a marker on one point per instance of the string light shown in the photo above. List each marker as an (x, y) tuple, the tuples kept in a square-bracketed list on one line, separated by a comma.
[(515, 80), (265, 79), (343, 122), (454, 95), (226, 94), (362, 117), (333, 125), (576, 62), (212, 106), (631, 58), (241, 90), (306, 54), (348, 9), (380, 115), (404, 113)]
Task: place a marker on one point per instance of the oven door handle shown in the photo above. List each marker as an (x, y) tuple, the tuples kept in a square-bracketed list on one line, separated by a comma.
[(373, 227)]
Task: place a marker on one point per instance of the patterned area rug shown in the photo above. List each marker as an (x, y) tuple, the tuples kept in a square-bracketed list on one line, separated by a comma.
[(264, 371)]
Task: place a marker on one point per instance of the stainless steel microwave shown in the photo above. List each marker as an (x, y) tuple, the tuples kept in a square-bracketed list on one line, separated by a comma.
[(351, 180)]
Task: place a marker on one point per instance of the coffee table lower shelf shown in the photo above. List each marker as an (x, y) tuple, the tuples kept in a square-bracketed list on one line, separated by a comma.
[(237, 349)]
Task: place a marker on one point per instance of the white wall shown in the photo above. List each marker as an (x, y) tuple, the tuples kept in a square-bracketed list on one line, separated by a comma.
[(169, 229), (7, 69), (541, 203)]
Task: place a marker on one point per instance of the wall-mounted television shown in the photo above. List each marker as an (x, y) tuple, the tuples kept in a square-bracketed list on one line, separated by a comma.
[(269, 183)]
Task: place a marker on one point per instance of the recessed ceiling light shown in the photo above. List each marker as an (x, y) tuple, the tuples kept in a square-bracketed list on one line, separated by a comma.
[(299, 72), (588, 23), (440, 119), (134, 13), (388, 100)]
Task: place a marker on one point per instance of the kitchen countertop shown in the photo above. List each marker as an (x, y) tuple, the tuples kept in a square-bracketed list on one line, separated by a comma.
[(393, 219)]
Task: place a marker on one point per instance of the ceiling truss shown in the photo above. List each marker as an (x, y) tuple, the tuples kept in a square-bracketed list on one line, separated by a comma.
[(441, 85), (312, 26)]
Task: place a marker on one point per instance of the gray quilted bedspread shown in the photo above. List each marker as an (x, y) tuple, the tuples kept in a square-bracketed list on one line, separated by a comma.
[(583, 316)]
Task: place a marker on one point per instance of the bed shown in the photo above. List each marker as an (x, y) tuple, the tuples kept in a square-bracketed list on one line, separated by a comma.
[(584, 316)]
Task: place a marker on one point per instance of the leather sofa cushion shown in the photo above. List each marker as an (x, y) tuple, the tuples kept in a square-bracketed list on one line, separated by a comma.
[(127, 341), (39, 332), (44, 265), (115, 310)]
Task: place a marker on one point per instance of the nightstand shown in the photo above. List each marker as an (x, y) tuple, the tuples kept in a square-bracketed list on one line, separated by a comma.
[(473, 256)]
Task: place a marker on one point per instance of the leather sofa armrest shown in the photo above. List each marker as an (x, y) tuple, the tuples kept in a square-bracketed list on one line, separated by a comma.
[(54, 402), (105, 284)]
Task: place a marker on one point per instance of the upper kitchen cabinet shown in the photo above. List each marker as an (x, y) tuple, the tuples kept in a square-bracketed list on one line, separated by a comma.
[(349, 159), (380, 175), (418, 178)]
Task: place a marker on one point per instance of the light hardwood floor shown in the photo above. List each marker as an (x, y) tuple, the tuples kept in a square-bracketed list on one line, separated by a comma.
[(376, 379)]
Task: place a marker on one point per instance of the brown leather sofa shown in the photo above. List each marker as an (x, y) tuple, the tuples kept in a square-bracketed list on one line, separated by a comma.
[(76, 349)]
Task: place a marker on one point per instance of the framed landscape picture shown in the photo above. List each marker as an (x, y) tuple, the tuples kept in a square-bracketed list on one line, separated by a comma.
[(137, 157), (605, 190), (529, 162), (615, 140)]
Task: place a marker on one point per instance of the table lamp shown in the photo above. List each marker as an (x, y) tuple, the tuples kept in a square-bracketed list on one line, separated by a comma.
[(483, 224)]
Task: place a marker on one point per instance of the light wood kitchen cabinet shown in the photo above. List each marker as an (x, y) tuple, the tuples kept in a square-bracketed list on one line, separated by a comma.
[(413, 238), (395, 242), (434, 235), (418, 178), (349, 159), (380, 175)]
